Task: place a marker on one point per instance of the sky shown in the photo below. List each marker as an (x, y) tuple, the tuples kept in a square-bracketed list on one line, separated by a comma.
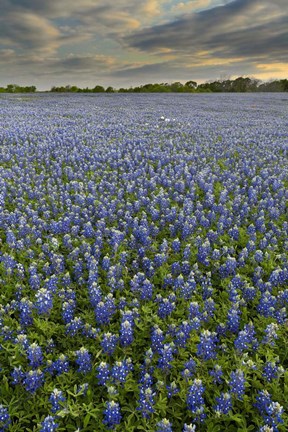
[(124, 43)]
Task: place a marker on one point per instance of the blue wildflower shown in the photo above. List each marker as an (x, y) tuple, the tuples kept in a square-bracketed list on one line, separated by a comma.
[(49, 424), (5, 420), (83, 360), (164, 426), (223, 404), (56, 399), (112, 415)]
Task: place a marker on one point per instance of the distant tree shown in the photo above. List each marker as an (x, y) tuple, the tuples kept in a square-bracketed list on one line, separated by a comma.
[(240, 84), (12, 88), (191, 84), (177, 87), (245, 84), (284, 85), (98, 89), (74, 89)]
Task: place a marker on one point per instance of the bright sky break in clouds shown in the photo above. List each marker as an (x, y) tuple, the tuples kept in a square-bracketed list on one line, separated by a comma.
[(130, 42)]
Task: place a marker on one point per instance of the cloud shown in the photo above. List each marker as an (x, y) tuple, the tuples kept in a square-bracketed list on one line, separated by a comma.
[(132, 41), (28, 31), (239, 28), (186, 7), (83, 63)]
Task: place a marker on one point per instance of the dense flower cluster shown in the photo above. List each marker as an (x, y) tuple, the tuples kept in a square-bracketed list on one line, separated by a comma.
[(143, 249)]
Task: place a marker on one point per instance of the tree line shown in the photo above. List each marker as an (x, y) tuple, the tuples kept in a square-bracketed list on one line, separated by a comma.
[(238, 85), (15, 88)]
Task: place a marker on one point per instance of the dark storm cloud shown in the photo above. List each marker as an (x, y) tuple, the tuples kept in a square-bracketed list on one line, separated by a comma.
[(240, 28)]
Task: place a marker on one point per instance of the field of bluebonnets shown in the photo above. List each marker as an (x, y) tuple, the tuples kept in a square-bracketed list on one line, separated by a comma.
[(144, 263)]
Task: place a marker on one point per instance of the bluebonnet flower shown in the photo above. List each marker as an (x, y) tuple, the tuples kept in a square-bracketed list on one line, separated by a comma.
[(258, 256), (206, 348), (223, 404), (112, 414), (195, 400), (146, 379), (83, 360), (126, 333), (120, 371), (56, 399), (18, 375), (187, 289), (68, 310), (189, 428), (5, 420), (270, 334), (103, 373), (25, 308), (166, 357), (44, 301), (157, 339), (178, 281), (237, 383), (146, 401), (271, 370), (106, 263), (233, 318), (263, 400), (35, 356), (166, 307), (189, 369), (270, 411), (159, 259), (267, 304), (229, 268), (204, 250), (249, 292), (267, 428), (164, 426), (105, 310), (176, 268), (122, 303), (176, 245), (234, 233), (78, 270), (194, 311), (148, 358), (209, 308), (74, 326), (183, 334), (281, 315), (6, 333), (34, 282), (109, 343), (51, 284), (216, 254), (146, 290), (275, 412), (185, 269), (49, 424), (95, 295), (245, 338), (61, 365), (172, 389), (33, 380), (217, 374)]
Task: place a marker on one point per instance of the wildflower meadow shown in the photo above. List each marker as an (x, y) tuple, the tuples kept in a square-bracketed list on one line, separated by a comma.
[(144, 263)]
